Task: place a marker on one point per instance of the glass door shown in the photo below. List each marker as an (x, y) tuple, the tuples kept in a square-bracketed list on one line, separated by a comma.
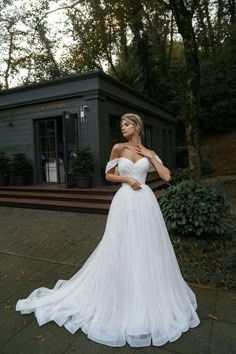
[(47, 150)]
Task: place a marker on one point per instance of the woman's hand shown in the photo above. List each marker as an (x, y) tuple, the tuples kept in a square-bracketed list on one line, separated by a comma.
[(133, 183), (141, 150)]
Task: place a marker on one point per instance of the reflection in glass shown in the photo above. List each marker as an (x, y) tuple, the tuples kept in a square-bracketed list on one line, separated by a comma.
[(48, 153)]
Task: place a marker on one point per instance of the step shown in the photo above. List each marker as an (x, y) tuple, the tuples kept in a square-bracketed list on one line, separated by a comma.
[(56, 205), (56, 196), (61, 205), (105, 190), (157, 184)]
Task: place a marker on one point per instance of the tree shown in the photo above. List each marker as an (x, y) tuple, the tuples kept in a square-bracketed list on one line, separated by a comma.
[(183, 17), (26, 49)]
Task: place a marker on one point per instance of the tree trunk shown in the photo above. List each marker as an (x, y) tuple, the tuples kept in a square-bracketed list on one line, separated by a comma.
[(47, 45), (232, 12), (183, 18), (211, 35), (171, 41), (205, 42), (9, 59)]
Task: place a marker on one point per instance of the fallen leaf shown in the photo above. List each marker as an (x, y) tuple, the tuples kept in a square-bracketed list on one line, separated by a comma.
[(8, 307), (11, 265), (40, 336), (8, 301), (17, 279), (22, 272), (233, 298), (212, 283), (213, 317), (24, 323)]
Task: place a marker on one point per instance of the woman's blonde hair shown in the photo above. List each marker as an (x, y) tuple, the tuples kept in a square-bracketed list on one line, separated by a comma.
[(134, 119)]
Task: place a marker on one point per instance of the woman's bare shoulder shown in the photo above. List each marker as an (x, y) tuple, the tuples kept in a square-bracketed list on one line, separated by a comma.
[(116, 151), (118, 147)]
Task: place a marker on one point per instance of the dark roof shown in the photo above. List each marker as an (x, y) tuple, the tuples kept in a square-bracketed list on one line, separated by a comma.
[(83, 76)]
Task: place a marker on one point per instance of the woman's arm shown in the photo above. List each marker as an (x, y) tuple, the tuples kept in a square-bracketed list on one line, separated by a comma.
[(110, 175), (163, 171)]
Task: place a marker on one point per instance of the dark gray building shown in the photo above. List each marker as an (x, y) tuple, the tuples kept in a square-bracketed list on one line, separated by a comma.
[(42, 119)]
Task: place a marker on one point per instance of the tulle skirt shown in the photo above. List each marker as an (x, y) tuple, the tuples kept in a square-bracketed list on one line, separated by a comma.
[(130, 289)]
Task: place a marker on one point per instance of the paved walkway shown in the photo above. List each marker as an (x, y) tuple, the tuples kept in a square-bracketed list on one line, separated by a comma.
[(39, 247)]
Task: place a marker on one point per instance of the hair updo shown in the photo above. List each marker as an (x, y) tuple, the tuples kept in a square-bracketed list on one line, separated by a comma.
[(134, 119)]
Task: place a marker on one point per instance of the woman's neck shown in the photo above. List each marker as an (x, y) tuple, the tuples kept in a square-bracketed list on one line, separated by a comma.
[(134, 141)]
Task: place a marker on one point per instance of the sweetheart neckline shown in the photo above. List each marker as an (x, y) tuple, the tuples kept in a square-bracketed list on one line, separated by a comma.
[(134, 163)]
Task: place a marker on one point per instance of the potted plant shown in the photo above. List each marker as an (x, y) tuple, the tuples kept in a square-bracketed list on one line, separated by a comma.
[(21, 169), (82, 167), (4, 169)]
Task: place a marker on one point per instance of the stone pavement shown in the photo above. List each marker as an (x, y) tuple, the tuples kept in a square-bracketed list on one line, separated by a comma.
[(39, 247)]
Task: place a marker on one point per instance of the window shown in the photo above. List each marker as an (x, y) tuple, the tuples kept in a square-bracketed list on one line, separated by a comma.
[(148, 136), (115, 132)]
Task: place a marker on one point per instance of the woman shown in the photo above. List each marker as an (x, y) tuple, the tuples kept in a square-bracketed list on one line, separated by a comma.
[(131, 288)]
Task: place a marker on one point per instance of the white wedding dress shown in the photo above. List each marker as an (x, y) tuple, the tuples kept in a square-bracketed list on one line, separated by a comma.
[(130, 289)]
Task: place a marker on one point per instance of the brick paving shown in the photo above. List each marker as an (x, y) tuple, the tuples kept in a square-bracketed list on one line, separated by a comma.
[(38, 247)]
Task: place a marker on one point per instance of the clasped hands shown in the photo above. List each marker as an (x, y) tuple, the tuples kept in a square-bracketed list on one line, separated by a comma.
[(133, 183)]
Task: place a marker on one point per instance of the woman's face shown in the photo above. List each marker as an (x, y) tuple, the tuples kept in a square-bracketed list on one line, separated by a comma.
[(128, 129)]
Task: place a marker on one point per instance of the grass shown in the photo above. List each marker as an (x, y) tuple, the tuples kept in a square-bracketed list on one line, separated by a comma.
[(210, 262)]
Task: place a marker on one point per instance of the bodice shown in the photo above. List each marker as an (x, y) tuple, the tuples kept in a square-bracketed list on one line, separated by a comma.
[(126, 167)]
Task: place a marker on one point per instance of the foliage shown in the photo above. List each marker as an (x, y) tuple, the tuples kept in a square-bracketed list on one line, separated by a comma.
[(83, 163), (207, 166), (218, 106), (137, 42), (20, 165), (4, 164), (208, 262), (199, 209), (28, 47), (181, 174)]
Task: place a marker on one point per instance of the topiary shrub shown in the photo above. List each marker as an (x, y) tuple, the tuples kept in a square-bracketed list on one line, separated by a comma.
[(4, 164), (196, 209), (83, 162), (20, 165)]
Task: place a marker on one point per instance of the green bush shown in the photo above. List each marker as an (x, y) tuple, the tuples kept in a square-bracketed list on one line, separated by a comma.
[(4, 164), (196, 209), (207, 166), (83, 163), (20, 165), (181, 174)]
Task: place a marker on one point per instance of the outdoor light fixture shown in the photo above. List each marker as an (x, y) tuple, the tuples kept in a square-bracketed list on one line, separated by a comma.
[(82, 113)]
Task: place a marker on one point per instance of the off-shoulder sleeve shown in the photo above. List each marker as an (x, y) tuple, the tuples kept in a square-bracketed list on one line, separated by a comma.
[(111, 164), (151, 167)]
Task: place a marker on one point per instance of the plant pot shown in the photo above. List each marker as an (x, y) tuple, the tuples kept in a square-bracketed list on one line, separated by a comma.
[(11, 180), (22, 180), (4, 180), (83, 182)]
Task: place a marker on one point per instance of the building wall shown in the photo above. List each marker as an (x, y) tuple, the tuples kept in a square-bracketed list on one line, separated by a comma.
[(101, 95), (165, 149)]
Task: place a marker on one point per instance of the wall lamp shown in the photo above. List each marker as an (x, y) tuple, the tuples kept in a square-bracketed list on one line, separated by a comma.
[(83, 109)]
